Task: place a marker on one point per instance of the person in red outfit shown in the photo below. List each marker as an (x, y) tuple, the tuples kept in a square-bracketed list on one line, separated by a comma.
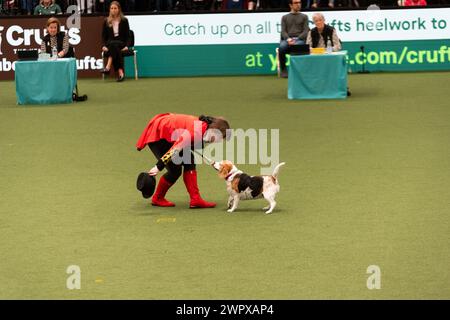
[(170, 137), (415, 3)]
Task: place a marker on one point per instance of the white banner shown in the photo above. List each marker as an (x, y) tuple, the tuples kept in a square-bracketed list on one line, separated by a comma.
[(240, 28)]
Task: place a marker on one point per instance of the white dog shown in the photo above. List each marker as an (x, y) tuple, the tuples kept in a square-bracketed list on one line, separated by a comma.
[(241, 186)]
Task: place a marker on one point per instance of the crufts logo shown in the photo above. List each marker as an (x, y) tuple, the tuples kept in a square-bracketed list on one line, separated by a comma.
[(1, 29), (16, 36)]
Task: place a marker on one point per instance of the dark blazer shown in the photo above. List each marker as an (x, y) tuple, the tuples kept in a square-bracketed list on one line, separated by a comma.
[(108, 32), (59, 40), (59, 44)]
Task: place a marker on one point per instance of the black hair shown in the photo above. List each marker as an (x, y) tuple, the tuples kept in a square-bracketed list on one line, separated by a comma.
[(207, 119), (217, 123)]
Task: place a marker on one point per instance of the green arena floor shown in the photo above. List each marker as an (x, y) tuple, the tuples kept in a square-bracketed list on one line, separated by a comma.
[(366, 182)]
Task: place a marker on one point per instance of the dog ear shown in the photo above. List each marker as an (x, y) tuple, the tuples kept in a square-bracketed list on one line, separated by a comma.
[(225, 168), (222, 172)]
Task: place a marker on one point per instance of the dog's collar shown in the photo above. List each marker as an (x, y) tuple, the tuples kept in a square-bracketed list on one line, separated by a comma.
[(230, 176)]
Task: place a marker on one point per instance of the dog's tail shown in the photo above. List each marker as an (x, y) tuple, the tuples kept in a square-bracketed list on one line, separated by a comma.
[(277, 168)]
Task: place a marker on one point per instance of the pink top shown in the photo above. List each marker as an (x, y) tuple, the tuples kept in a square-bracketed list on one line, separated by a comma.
[(115, 25)]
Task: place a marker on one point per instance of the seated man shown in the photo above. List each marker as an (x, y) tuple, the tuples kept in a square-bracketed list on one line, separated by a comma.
[(294, 29), (319, 36)]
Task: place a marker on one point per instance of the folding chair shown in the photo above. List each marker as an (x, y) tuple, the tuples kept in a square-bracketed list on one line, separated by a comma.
[(278, 61), (132, 52)]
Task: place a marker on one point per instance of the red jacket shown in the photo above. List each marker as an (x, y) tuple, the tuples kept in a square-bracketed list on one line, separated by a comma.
[(411, 3), (165, 125)]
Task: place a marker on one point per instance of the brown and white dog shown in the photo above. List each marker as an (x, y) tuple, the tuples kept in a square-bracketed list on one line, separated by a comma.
[(241, 186)]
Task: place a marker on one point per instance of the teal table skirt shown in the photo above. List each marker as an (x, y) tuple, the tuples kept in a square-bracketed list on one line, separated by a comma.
[(45, 82), (318, 76)]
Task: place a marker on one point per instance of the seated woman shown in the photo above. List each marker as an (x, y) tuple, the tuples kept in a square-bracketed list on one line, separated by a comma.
[(115, 36), (55, 38), (47, 7), (319, 36)]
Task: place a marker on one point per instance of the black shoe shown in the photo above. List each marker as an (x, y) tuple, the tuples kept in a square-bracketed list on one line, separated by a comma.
[(348, 93), (121, 78)]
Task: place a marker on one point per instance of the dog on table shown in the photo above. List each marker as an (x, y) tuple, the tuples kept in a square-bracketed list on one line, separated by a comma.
[(241, 186)]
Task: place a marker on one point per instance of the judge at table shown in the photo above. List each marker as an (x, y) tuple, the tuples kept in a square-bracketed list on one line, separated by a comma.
[(319, 36), (55, 38)]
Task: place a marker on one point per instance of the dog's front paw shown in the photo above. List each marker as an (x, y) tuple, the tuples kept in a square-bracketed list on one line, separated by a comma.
[(269, 211), (230, 210)]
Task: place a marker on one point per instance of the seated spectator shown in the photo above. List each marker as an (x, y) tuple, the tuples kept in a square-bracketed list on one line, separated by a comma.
[(252, 5), (235, 4), (8, 6), (101, 6), (28, 6), (63, 4), (200, 5), (85, 6), (185, 5), (115, 36), (163, 5), (294, 30), (415, 3), (279, 4), (126, 5), (346, 3), (321, 33), (131, 6), (55, 38), (216, 5), (47, 7), (322, 4), (146, 5)]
